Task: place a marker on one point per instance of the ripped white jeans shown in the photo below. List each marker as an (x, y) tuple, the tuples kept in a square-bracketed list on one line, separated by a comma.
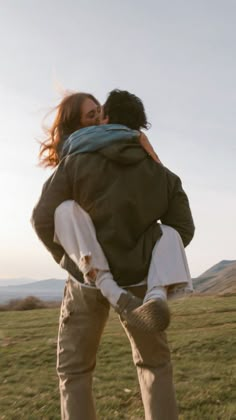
[(75, 232)]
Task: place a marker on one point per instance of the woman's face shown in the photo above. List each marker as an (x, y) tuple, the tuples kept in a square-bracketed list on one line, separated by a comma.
[(90, 113)]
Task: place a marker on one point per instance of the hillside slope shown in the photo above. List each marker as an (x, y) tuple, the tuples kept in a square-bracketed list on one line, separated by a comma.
[(51, 289), (221, 278)]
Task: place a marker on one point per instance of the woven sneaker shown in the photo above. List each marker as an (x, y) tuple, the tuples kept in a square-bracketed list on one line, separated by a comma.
[(151, 316)]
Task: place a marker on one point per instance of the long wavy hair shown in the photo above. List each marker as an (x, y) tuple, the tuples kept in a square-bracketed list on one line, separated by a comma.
[(67, 121)]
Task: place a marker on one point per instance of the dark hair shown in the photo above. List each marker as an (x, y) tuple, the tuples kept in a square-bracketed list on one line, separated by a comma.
[(125, 108), (67, 121)]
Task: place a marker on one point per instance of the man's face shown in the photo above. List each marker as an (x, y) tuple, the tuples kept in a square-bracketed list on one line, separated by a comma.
[(90, 113)]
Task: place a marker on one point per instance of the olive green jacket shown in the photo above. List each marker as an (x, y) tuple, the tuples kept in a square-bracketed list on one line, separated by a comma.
[(125, 193)]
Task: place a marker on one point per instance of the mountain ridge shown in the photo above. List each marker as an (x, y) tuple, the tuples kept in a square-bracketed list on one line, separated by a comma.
[(218, 279), (50, 289)]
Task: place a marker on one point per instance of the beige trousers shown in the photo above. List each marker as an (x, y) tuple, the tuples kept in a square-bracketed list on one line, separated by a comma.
[(84, 313)]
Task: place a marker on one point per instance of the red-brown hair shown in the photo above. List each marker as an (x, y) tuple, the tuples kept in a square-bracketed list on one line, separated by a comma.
[(67, 121)]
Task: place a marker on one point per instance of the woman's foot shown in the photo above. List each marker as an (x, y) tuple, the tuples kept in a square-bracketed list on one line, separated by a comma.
[(151, 316)]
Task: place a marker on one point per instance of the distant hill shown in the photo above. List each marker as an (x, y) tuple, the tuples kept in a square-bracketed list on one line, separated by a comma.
[(221, 278), (51, 289), (16, 281)]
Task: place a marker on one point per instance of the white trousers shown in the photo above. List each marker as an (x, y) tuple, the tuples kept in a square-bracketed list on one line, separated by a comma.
[(75, 232)]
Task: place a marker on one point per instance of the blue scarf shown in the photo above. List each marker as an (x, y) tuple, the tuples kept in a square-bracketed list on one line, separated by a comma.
[(93, 138)]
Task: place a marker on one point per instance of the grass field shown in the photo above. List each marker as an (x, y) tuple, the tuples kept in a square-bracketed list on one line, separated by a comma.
[(203, 342)]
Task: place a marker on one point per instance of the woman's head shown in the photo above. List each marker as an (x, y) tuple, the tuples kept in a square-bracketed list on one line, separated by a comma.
[(75, 111)]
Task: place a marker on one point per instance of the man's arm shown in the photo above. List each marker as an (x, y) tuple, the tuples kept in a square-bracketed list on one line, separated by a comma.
[(178, 214), (55, 190)]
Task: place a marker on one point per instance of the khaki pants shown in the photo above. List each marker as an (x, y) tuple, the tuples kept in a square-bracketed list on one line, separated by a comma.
[(84, 313)]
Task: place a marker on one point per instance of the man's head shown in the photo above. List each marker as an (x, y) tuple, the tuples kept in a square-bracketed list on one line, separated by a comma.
[(122, 107)]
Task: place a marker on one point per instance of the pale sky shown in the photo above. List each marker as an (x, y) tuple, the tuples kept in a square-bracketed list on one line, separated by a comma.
[(178, 57)]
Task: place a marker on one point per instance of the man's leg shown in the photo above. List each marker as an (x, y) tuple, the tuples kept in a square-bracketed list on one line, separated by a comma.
[(84, 313), (151, 356)]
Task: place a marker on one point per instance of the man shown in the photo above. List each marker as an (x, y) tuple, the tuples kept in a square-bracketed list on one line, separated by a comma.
[(125, 193)]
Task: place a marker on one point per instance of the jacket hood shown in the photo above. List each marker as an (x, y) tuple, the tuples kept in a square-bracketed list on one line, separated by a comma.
[(91, 139), (127, 152)]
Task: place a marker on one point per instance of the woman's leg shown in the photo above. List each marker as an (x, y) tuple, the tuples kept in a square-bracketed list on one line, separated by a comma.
[(75, 232), (169, 266)]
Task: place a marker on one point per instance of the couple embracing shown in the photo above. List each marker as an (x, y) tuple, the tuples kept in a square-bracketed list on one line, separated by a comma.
[(117, 220)]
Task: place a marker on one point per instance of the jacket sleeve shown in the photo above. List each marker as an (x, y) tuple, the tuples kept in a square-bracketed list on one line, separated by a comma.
[(55, 190), (178, 214)]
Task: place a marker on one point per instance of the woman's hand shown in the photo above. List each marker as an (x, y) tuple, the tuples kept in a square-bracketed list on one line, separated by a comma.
[(148, 147)]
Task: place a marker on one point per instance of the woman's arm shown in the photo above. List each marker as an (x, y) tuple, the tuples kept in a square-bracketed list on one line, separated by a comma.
[(148, 147), (93, 138)]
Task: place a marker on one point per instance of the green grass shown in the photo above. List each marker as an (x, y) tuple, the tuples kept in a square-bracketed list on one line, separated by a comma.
[(203, 342)]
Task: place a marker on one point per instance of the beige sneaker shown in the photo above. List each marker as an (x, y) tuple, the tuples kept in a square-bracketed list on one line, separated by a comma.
[(151, 316)]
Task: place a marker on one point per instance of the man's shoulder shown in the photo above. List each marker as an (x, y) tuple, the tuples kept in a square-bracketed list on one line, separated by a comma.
[(166, 171), (172, 179), (170, 173)]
